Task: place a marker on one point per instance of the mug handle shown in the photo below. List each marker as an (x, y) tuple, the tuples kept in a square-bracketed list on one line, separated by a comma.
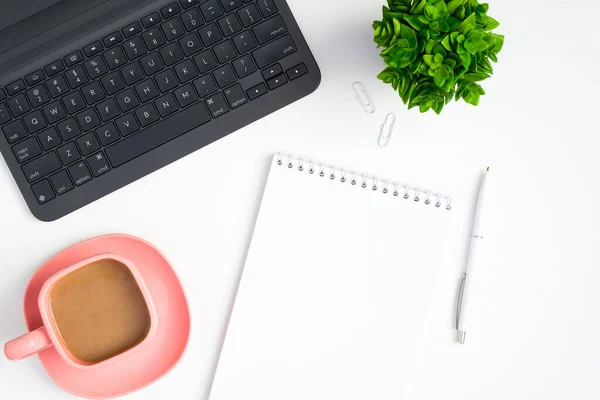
[(28, 344)]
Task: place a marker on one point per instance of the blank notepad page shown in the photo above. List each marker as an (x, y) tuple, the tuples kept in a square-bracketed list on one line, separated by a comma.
[(335, 288)]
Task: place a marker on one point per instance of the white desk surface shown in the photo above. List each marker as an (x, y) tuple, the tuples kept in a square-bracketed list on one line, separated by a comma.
[(537, 324)]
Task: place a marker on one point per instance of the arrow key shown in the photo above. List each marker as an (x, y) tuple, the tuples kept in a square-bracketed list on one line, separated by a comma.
[(257, 91), (272, 72), (274, 83)]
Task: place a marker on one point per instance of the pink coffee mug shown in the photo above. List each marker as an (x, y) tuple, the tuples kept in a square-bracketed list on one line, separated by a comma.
[(42, 338)]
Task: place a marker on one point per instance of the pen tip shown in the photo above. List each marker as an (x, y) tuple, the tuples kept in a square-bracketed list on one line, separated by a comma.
[(461, 337), (488, 169)]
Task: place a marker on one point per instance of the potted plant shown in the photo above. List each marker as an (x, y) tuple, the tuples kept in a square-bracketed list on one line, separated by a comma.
[(436, 50)]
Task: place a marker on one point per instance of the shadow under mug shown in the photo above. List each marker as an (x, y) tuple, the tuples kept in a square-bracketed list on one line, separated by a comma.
[(48, 335)]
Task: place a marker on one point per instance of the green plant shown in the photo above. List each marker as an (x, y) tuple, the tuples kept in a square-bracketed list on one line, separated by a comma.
[(436, 50)]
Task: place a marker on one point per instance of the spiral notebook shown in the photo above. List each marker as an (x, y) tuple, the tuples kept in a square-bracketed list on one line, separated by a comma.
[(335, 288)]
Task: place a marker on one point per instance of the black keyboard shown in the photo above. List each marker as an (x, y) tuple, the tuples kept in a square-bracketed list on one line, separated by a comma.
[(137, 99)]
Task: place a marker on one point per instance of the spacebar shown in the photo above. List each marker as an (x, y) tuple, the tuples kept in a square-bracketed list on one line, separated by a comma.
[(156, 135)]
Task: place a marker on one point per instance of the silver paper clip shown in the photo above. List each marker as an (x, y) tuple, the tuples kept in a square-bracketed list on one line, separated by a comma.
[(363, 98), (387, 128)]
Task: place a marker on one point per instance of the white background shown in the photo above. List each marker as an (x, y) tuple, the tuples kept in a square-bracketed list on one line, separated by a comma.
[(536, 321)]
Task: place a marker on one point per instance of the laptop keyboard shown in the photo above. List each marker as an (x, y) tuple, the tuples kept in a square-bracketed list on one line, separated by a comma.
[(89, 113)]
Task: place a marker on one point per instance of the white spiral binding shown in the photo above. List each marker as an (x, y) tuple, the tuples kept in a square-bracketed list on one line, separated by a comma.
[(365, 180)]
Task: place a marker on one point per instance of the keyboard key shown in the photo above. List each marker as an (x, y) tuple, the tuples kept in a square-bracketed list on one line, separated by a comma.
[(131, 30), (224, 52), (224, 76), (38, 96), (61, 182), (270, 29), (107, 110), (235, 96), (192, 19), (274, 51), (134, 48), (276, 82), (217, 105), (153, 39), (76, 77), (98, 164), (229, 5), (43, 192), (244, 42), (80, 173), (34, 121), (27, 149), (210, 35), (249, 15), (166, 81), (185, 96), (267, 7), (171, 54), (132, 73), (151, 20), (112, 40), (4, 115), (34, 78), (73, 102), (112, 83), (88, 119), (49, 138), (88, 144), (188, 3), (146, 115), (230, 25), (151, 64), (205, 85), (68, 129), (95, 67), (54, 112), (68, 153), (92, 49), (205, 61), (93, 93), (272, 72), (185, 71), (57, 86), (15, 87), (2, 94), (127, 125), (173, 29), (146, 90), (73, 59), (14, 131), (115, 58), (244, 66), (18, 105), (42, 166), (166, 105), (257, 91), (107, 134), (296, 72), (54, 68), (170, 11), (211, 10), (130, 148), (127, 100), (190, 44)]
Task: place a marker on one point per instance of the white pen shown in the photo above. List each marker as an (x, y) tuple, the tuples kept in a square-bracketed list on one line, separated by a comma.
[(462, 309)]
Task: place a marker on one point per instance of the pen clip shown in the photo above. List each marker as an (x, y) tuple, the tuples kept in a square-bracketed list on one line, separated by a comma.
[(460, 298)]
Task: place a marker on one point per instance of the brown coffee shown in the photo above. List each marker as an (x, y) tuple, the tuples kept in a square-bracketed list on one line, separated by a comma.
[(99, 311)]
